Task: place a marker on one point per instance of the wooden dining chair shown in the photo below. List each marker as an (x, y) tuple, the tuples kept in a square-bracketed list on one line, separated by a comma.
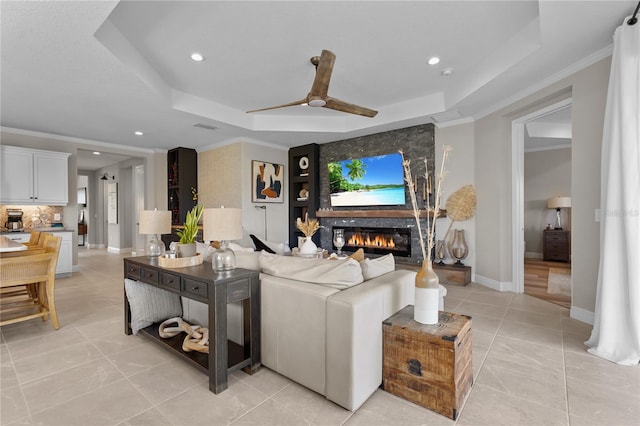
[(33, 239), (27, 285)]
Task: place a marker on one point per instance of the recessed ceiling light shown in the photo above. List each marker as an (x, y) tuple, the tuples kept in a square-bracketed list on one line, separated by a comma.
[(138, 133), (447, 72), (433, 60), (197, 57), (96, 153)]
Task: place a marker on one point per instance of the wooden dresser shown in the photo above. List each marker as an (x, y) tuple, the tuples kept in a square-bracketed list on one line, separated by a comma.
[(556, 245)]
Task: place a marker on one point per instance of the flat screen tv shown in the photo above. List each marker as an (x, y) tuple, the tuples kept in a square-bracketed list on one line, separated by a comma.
[(368, 181)]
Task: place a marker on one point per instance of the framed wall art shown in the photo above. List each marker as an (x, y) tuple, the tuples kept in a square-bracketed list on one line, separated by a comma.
[(267, 182)]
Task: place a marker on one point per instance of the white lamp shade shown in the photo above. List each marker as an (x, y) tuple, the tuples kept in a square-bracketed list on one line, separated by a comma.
[(222, 224), (559, 202), (155, 222)]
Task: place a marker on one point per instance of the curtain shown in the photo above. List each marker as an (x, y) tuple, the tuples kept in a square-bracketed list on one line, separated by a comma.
[(616, 329)]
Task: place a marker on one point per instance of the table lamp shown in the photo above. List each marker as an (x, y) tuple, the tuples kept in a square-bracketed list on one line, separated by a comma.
[(558, 203), (222, 225), (155, 222)]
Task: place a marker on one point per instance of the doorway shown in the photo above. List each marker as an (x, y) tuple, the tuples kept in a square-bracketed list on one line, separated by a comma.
[(138, 201), (540, 132)]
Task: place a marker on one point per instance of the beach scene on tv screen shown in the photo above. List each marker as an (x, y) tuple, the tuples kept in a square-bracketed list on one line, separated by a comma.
[(369, 181)]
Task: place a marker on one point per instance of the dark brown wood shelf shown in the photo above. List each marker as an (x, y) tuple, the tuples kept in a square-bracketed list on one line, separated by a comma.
[(199, 360)]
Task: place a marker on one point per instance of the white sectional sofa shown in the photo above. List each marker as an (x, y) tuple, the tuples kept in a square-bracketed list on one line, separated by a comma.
[(322, 321)]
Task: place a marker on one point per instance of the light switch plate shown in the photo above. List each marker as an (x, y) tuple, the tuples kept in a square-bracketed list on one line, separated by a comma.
[(597, 215)]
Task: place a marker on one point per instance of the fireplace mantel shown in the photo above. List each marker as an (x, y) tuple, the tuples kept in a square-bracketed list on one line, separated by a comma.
[(374, 213)]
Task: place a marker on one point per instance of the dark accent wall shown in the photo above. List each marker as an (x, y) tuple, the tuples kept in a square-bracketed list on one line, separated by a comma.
[(417, 143)]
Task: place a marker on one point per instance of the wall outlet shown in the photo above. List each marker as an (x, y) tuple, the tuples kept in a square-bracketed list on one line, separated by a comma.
[(56, 216)]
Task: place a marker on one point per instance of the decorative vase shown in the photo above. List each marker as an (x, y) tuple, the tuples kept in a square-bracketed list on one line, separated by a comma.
[(427, 295), (186, 250), (458, 248), (441, 251), (308, 247)]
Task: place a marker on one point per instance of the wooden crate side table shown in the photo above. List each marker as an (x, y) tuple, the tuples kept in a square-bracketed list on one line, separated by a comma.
[(453, 274), (430, 365)]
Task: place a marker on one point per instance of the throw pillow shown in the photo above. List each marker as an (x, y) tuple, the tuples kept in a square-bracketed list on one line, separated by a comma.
[(372, 268), (358, 255), (317, 271), (149, 304), (237, 247), (260, 245), (248, 259)]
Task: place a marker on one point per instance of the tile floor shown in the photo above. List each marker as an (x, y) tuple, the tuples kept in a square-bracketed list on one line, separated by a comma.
[(530, 368)]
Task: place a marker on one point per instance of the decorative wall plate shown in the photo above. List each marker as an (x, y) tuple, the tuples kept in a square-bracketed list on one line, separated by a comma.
[(304, 163)]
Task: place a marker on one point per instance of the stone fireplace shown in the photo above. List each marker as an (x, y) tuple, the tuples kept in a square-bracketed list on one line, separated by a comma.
[(377, 240), (418, 144)]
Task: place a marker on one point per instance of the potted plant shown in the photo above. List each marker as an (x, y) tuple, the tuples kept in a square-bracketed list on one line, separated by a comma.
[(187, 244)]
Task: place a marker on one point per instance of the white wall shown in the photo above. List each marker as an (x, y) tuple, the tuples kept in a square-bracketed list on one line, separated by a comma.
[(547, 174), (461, 172), (492, 138), (224, 178)]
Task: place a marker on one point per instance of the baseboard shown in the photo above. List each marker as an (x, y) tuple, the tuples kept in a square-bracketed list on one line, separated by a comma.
[(119, 250), (533, 255), (493, 284), (582, 315)]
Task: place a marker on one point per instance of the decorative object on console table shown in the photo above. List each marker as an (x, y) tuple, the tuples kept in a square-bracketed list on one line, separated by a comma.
[(223, 225), (430, 365), (559, 203), (556, 246), (267, 182), (304, 188), (187, 245), (427, 285), (155, 222)]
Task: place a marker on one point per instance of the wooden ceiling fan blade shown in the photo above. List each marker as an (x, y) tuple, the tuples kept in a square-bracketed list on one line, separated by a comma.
[(338, 105), (320, 86), (295, 103)]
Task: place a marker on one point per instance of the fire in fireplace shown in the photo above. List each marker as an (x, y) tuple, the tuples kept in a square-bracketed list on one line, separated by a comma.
[(378, 240)]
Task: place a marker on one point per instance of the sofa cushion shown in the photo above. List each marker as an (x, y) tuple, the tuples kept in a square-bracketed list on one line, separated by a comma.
[(248, 260), (317, 271), (372, 268)]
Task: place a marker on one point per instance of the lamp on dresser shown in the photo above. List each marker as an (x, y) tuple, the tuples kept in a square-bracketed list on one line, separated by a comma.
[(155, 222), (559, 203), (222, 225)]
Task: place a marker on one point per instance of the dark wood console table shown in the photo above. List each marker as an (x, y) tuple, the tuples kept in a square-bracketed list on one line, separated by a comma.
[(201, 283)]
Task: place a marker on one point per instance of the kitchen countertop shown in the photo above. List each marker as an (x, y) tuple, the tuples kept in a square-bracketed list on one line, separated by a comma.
[(28, 231)]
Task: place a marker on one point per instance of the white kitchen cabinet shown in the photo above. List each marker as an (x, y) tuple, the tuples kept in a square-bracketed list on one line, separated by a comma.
[(64, 266), (32, 176), (65, 258)]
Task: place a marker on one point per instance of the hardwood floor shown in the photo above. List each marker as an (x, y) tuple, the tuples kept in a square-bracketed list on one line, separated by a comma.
[(536, 278)]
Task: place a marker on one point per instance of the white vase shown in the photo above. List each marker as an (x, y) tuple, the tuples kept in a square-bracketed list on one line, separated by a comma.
[(427, 295), (308, 247)]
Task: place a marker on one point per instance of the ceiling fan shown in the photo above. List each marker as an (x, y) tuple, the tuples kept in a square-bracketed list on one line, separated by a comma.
[(318, 96)]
